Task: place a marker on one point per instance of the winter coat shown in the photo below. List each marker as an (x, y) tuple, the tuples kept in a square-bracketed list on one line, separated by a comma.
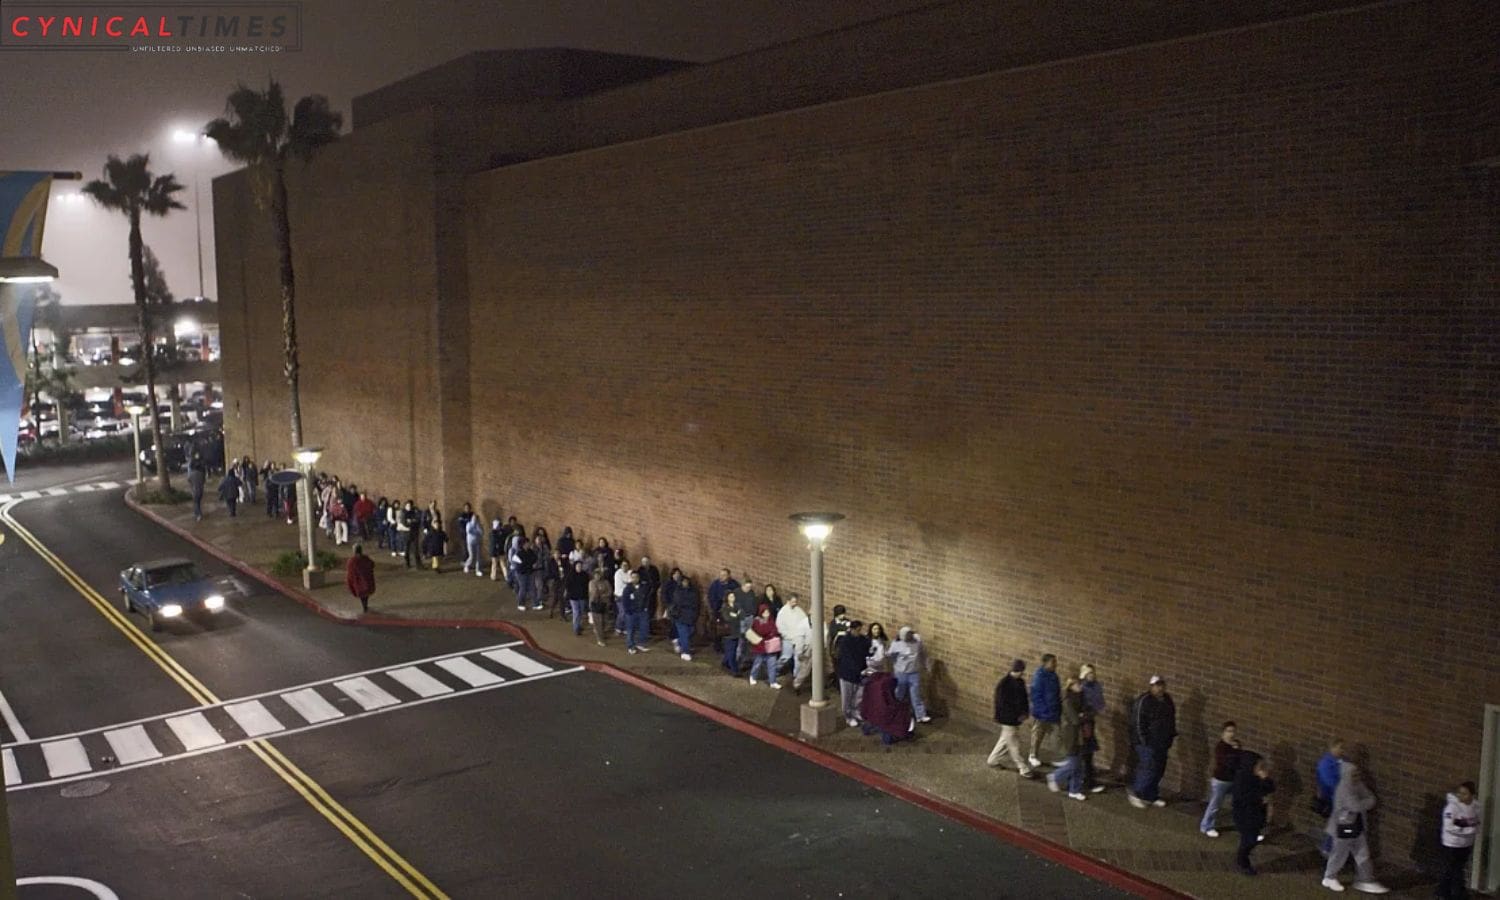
[(1249, 792), (434, 542), (565, 543), (684, 602), (1093, 695), (732, 616), (1046, 696), (599, 596), (850, 663), (1226, 761), (767, 630), (1070, 722), (633, 600), (1352, 798), (1460, 822), (1011, 705), (1327, 774), (229, 489), (718, 590), (794, 625), (1153, 721), (359, 575), (576, 585)]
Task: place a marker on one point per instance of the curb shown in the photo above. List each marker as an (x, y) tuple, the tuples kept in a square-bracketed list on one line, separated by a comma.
[(1096, 869)]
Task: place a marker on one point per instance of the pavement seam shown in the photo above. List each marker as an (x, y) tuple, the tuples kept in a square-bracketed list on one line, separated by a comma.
[(1039, 845)]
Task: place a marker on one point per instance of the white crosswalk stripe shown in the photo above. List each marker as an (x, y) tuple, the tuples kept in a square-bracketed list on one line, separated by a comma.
[(470, 673), (29, 495), (419, 682), (194, 731), (4, 498), (56, 492), (523, 665), (311, 706), (366, 693), (84, 488), (131, 744), (135, 744), (66, 757), (107, 485), (253, 718)]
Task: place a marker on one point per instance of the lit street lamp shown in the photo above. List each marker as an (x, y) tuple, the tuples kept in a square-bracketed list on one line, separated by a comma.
[(135, 411), (817, 716), (306, 458)]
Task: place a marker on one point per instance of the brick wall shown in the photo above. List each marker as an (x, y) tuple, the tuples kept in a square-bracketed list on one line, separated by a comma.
[(1180, 359), (1177, 360)]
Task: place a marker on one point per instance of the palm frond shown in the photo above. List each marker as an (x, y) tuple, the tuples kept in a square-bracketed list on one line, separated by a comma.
[(314, 125), (159, 200)]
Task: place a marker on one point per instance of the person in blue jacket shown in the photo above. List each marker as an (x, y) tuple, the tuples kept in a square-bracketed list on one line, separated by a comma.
[(1046, 705), (1327, 776)]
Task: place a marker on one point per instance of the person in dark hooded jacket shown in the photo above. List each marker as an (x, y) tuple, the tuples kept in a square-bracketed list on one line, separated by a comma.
[(229, 491), (1153, 728), (685, 608), (1252, 785)]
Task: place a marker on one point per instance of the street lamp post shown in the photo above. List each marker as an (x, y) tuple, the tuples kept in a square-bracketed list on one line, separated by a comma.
[(135, 411), (306, 458), (817, 716)]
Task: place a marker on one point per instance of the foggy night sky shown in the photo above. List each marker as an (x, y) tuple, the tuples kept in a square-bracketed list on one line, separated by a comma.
[(68, 110)]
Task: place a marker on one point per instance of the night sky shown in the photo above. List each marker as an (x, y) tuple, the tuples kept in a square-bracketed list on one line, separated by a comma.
[(68, 110)]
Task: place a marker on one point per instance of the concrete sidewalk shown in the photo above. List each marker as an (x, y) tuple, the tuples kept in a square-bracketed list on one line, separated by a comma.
[(947, 761)]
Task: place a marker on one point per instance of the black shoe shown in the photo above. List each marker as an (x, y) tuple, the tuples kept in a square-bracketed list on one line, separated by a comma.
[(1246, 870)]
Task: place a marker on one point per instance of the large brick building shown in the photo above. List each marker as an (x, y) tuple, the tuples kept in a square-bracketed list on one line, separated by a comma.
[(1168, 344)]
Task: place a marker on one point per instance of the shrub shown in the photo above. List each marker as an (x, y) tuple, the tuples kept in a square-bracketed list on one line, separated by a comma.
[(151, 495), (50, 452), (291, 563)]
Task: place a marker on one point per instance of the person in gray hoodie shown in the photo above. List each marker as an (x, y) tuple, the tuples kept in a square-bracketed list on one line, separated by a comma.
[(908, 660), (1460, 825), (1349, 828)]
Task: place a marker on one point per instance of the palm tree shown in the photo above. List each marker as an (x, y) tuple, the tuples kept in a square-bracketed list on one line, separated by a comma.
[(255, 131), (129, 187)]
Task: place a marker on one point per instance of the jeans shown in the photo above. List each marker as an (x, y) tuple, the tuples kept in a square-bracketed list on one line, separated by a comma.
[(197, 504), (1010, 742), (849, 697), (598, 618), (1216, 791), (684, 636), (522, 586), (640, 627), (250, 489), (1150, 766), (471, 557), (909, 685), (577, 607), (731, 660), (1071, 768), (766, 662), (538, 583)]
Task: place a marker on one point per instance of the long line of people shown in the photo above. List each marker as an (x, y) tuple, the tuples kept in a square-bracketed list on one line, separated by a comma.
[(757, 635)]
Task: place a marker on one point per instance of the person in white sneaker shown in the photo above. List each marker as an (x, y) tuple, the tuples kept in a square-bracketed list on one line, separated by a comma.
[(1070, 735), (795, 629), (1011, 709), (1046, 705), (852, 648), (765, 643), (1153, 728), (1093, 695), (908, 662), (684, 610), (1226, 765), (1348, 826)]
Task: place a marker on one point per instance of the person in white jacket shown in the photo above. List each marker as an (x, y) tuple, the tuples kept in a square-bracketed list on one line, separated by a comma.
[(796, 637), (908, 661), (1460, 825)]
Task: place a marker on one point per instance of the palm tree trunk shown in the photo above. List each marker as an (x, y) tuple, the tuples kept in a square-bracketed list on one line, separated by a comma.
[(148, 349), (288, 298)]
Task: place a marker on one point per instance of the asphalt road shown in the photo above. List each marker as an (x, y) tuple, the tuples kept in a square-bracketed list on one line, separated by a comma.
[(555, 783)]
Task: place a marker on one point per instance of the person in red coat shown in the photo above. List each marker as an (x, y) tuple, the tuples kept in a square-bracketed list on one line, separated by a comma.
[(360, 576)]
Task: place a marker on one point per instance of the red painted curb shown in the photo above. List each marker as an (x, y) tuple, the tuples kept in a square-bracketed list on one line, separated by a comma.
[(1032, 843)]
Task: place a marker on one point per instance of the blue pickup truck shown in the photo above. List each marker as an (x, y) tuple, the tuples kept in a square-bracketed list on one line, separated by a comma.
[(169, 589)]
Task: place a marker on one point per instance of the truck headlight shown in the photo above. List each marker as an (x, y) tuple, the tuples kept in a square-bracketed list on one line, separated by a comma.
[(214, 602), (171, 609)]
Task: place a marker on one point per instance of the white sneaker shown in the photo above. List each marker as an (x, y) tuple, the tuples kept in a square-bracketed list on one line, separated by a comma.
[(1097, 789), (1158, 803), (648, 650), (1135, 801), (776, 685), (1077, 796), (753, 681), (630, 650), (1370, 887), (686, 657), (521, 607), (1052, 785), (1212, 832), (1260, 839), (925, 719), (1333, 884), (853, 723), (1035, 763)]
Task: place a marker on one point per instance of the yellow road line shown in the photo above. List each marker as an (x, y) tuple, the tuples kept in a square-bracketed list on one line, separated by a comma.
[(403, 872)]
